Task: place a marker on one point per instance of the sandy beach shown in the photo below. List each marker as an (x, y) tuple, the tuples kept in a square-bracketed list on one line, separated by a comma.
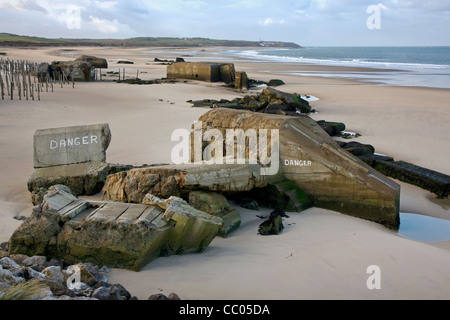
[(321, 254)]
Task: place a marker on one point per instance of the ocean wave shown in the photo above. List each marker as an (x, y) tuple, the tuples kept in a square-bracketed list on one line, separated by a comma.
[(361, 62)]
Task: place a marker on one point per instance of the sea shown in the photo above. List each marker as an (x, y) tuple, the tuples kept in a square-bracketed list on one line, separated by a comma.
[(402, 66)]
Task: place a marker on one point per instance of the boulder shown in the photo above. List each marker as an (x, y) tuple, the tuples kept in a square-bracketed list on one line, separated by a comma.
[(356, 148), (96, 62), (217, 205), (273, 225), (294, 100), (275, 83), (332, 128)]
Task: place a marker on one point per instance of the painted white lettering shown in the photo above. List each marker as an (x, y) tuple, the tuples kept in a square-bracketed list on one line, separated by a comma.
[(94, 139), (77, 141), (85, 140), (70, 142), (62, 144), (53, 145)]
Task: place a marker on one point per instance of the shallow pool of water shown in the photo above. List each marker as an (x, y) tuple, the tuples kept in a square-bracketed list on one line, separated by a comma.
[(423, 228)]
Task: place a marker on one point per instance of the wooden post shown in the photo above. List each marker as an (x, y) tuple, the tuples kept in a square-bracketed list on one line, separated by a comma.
[(1, 85), (119, 74), (39, 92), (137, 74), (12, 90), (26, 90), (32, 91), (19, 90), (123, 74)]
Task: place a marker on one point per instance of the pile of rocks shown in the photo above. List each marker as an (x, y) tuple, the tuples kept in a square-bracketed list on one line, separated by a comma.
[(51, 280), (34, 278), (269, 101)]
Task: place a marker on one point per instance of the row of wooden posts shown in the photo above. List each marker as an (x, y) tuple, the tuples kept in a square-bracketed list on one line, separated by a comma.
[(19, 78)]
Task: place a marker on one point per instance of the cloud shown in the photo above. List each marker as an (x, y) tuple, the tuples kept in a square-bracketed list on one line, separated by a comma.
[(105, 26), (270, 21), (28, 5), (106, 4)]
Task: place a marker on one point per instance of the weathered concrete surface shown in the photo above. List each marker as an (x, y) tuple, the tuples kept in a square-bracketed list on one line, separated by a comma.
[(96, 62), (179, 180), (217, 205), (83, 178), (113, 234), (74, 70), (71, 145), (332, 177), (203, 71)]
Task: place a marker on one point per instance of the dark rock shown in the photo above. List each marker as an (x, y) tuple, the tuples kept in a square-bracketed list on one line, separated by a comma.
[(125, 62), (332, 128), (356, 148), (179, 60), (275, 83), (122, 291), (107, 294), (174, 296), (274, 225), (294, 100), (4, 246), (372, 159), (59, 290), (248, 204), (158, 296), (424, 178)]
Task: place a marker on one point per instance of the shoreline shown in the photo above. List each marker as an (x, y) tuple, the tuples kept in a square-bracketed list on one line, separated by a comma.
[(330, 251)]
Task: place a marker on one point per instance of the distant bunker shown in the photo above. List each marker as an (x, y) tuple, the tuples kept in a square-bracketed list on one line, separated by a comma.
[(202, 71)]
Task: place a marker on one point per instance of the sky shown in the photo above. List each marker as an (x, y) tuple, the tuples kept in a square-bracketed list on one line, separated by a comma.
[(305, 22)]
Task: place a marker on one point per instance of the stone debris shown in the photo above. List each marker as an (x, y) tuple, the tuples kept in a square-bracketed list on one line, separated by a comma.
[(119, 235)]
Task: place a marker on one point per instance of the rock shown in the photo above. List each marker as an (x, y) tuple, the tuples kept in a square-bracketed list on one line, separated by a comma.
[(4, 246), (177, 60), (74, 70), (123, 293), (217, 205), (104, 293), (30, 273), (332, 128), (18, 258), (294, 100), (249, 204), (44, 72), (179, 180), (81, 289), (94, 61), (427, 179), (8, 278), (275, 83), (35, 260), (274, 225), (3, 254), (9, 263), (54, 274), (125, 62), (158, 296), (58, 289), (173, 296), (308, 157), (357, 149)]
